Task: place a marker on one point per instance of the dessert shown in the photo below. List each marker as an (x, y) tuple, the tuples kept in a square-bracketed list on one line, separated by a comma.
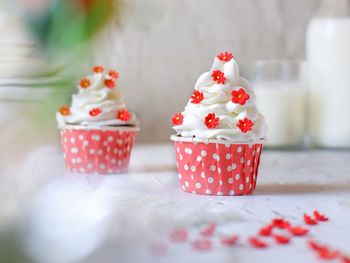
[(97, 130), (220, 134)]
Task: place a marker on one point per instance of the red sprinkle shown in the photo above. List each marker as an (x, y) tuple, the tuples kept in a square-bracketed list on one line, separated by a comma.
[(179, 235), (202, 244), (64, 110), (197, 97), (229, 240), (225, 56), (211, 121), (95, 111), (315, 246), (257, 243), (84, 83), (218, 76), (298, 231), (123, 115), (239, 96), (245, 125), (280, 239), (328, 254), (114, 74), (308, 220), (98, 69), (208, 231), (280, 223), (320, 217), (110, 83), (266, 230), (177, 119)]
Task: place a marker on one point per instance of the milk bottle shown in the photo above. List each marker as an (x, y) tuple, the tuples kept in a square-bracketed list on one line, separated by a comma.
[(328, 62)]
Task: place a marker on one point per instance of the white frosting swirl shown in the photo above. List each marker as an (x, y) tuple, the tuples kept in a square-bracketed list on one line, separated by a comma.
[(96, 96), (218, 99)]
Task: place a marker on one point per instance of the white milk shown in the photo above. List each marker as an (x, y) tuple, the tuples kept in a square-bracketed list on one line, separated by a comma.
[(328, 55), (283, 105)]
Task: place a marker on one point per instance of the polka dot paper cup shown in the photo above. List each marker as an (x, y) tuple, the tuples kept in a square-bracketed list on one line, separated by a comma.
[(97, 150), (217, 167)]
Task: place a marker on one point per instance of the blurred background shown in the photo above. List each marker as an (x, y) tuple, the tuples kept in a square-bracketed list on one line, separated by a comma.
[(159, 47)]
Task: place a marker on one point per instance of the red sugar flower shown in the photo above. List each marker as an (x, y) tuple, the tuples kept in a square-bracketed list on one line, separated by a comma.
[(123, 115), (308, 220), (280, 223), (245, 125), (179, 235), (320, 217), (85, 83), (225, 56), (98, 69), (114, 74), (109, 83), (266, 231), (95, 111), (177, 119), (211, 121), (239, 96), (257, 243), (209, 230), (229, 241), (298, 231), (202, 244), (197, 97), (280, 239), (218, 76), (64, 110)]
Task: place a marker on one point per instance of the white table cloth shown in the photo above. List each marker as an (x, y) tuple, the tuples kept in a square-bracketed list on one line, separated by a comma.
[(50, 215)]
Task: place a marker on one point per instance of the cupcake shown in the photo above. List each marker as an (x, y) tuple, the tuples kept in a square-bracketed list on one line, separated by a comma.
[(97, 131), (220, 134)]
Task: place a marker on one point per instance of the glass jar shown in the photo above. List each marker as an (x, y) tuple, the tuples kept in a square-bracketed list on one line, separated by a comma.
[(281, 92), (328, 63)]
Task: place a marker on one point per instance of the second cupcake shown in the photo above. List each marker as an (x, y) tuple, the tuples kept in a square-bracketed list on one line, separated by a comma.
[(97, 131)]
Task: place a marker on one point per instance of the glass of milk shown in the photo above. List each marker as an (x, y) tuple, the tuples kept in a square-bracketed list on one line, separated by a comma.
[(280, 93)]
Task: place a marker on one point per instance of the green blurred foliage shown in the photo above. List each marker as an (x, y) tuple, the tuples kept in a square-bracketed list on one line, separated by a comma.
[(68, 23)]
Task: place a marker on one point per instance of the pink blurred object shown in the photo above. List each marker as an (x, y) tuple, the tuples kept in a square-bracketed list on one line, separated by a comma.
[(202, 244), (158, 248), (208, 231), (102, 151), (229, 240), (179, 235)]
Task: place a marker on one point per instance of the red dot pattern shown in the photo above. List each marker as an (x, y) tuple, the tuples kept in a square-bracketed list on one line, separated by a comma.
[(97, 151), (218, 169)]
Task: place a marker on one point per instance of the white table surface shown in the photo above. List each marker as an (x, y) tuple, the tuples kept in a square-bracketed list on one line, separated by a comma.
[(50, 215)]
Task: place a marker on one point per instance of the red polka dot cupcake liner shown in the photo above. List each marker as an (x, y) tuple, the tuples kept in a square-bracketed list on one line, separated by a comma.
[(104, 150), (217, 168)]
